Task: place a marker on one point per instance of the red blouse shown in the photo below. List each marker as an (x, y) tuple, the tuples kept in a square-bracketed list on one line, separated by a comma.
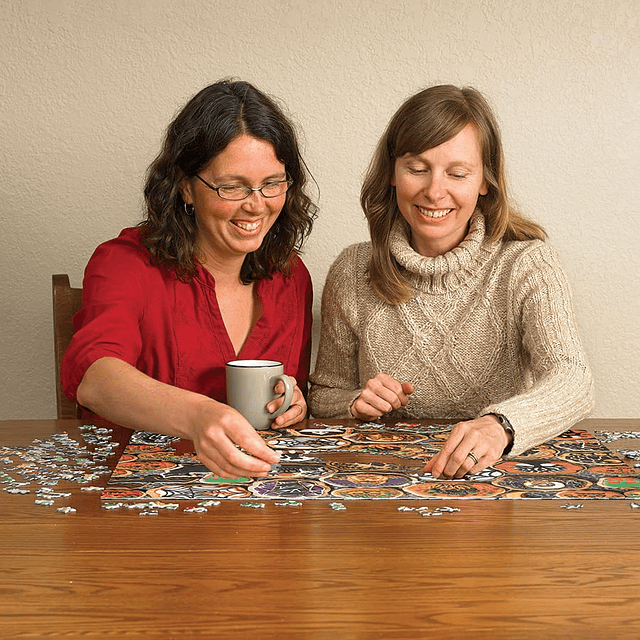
[(174, 331)]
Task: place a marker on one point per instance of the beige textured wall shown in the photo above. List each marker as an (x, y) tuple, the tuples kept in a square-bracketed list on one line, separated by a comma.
[(87, 88)]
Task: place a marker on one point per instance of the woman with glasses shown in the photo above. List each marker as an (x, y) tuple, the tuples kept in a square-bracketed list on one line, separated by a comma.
[(456, 308), (212, 274)]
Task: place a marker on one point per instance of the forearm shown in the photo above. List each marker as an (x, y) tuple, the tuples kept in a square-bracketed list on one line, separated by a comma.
[(561, 391), (329, 402), (120, 393), (550, 407)]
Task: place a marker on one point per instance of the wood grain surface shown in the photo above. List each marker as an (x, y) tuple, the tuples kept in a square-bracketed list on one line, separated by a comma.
[(495, 569)]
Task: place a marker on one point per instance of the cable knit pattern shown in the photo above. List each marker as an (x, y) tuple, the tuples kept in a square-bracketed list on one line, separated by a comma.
[(489, 328)]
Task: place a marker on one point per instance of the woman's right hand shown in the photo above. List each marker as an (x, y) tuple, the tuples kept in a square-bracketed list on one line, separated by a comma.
[(217, 432), (120, 393), (381, 394)]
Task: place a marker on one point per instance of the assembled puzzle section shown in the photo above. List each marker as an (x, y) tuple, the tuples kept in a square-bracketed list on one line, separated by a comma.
[(372, 461)]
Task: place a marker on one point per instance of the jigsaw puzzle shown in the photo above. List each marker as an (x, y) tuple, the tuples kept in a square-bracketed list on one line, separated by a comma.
[(372, 461)]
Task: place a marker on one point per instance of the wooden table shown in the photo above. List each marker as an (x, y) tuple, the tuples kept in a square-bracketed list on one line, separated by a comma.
[(496, 569)]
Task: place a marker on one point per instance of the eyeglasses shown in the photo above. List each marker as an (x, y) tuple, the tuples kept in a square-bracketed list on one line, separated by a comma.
[(239, 192)]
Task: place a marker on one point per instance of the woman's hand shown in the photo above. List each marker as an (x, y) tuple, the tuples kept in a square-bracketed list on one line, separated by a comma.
[(217, 433), (120, 393), (295, 413), (483, 439), (381, 394)]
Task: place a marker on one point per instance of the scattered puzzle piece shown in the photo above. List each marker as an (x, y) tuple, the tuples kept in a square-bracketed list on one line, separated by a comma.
[(66, 510), (253, 505)]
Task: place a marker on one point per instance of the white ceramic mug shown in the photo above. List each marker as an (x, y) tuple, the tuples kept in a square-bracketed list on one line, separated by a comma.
[(250, 387)]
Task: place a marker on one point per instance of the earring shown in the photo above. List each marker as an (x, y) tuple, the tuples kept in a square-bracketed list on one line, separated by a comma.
[(189, 209)]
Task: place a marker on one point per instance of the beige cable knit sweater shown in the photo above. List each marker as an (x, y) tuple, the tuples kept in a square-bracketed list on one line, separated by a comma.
[(489, 328)]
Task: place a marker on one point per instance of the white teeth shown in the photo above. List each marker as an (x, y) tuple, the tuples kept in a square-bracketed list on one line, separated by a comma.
[(247, 226), (440, 213)]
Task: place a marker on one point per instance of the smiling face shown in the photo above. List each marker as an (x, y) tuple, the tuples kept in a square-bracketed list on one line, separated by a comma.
[(437, 191), (230, 229)]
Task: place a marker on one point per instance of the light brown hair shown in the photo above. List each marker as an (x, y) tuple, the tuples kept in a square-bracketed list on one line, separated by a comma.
[(426, 120)]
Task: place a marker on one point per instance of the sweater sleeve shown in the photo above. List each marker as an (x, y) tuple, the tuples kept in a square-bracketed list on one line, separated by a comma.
[(335, 382), (560, 391)]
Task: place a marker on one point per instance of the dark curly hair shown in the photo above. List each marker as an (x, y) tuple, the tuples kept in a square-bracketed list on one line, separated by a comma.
[(203, 128)]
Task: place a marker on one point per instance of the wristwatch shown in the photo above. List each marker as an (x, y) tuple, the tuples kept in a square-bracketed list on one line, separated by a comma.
[(506, 425)]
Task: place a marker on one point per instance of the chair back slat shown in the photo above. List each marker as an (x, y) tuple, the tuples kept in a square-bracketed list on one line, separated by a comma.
[(66, 301)]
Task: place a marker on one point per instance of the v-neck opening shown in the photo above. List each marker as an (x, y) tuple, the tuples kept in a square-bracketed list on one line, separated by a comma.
[(258, 328), (207, 279)]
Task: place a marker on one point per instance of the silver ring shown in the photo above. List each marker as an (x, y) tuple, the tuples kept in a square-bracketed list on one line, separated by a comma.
[(473, 457)]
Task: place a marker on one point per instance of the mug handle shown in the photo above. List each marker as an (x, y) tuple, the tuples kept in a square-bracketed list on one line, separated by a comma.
[(288, 394)]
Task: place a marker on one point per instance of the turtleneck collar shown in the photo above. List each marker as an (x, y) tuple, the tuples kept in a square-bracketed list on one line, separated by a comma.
[(447, 271)]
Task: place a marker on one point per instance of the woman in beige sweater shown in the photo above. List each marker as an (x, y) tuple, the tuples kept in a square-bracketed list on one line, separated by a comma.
[(456, 308)]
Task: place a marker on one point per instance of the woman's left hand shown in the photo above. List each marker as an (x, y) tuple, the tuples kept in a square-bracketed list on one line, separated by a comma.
[(472, 446), (295, 413)]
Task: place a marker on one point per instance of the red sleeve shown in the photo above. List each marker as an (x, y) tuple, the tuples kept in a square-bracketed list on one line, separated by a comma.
[(113, 303)]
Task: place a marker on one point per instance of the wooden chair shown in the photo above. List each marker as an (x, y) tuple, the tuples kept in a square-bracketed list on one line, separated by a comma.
[(66, 301)]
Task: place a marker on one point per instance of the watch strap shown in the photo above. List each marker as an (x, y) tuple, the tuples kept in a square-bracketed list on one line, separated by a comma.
[(506, 425)]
